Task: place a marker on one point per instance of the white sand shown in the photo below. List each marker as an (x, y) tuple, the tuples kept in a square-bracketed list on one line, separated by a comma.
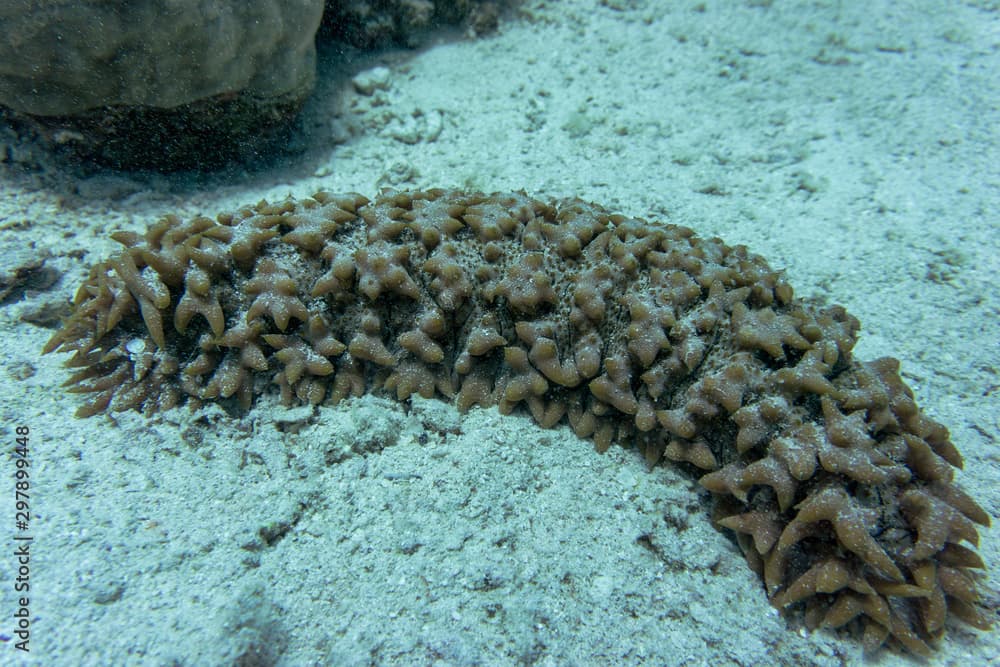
[(856, 148)]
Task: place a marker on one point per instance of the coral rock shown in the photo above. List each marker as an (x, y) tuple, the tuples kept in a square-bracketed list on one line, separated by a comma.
[(166, 86)]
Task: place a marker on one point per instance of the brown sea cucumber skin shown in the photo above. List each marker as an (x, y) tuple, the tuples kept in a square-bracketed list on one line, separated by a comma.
[(838, 490)]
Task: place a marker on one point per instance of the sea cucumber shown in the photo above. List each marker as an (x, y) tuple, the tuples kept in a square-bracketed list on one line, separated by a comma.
[(837, 489)]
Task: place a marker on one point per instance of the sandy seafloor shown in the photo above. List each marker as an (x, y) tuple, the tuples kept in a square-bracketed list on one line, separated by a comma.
[(853, 144)]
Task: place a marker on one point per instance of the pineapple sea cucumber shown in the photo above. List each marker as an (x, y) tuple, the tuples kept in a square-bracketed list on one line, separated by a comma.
[(838, 490)]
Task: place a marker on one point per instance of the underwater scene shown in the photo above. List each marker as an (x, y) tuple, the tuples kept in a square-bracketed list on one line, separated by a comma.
[(499, 332)]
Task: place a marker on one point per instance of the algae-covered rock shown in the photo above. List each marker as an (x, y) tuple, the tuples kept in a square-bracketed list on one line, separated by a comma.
[(157, 83), (62, 57)]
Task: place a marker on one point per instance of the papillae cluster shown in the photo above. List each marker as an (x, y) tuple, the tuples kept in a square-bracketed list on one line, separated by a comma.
[(838, 490)]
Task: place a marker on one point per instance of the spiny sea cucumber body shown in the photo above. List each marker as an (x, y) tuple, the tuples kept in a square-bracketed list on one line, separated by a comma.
[(838, 490)]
